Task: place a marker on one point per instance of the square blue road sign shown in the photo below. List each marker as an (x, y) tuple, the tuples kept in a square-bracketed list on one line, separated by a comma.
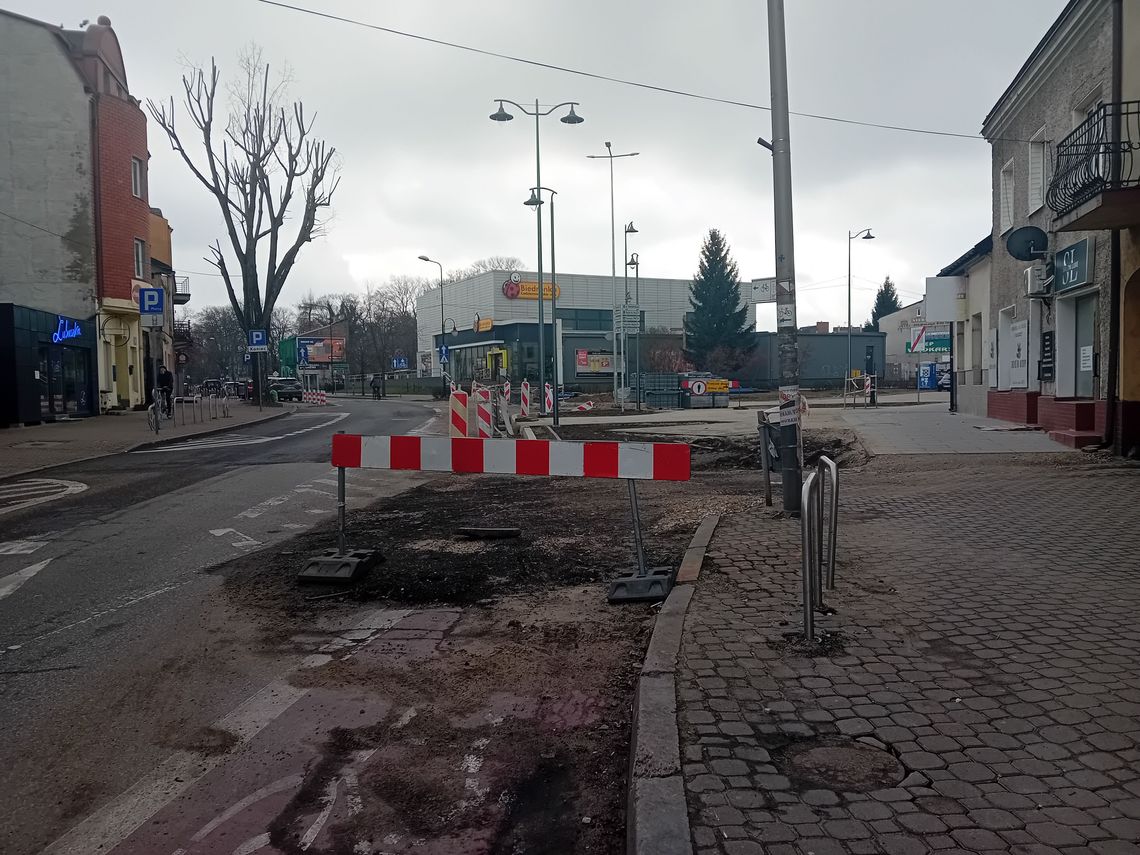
[(151, 301), (258, 341), (443, 354)]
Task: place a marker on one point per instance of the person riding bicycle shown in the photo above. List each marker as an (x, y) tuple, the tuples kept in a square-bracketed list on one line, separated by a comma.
[(166, 388), (375, 385)]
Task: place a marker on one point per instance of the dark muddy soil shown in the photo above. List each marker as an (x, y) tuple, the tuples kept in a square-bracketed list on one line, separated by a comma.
[(511, 733), (712, 453)]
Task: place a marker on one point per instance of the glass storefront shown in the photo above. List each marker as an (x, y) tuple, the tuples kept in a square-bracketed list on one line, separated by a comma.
[(49, 363)]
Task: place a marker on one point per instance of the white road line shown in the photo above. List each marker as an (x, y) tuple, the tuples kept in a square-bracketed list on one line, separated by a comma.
[(35, 488), (164, 589), (126, 813), (21, 547), (304, 489), (224, 442), (9, 584), (244, 541), (261, 507)]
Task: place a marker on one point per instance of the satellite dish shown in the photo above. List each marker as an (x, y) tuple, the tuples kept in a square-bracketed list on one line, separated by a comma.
[(1028, 243)]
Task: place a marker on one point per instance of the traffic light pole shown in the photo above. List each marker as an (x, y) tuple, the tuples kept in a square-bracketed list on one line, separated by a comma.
[(785, 262)]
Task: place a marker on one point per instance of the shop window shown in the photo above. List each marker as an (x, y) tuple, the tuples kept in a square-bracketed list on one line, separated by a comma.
[(140, 258)]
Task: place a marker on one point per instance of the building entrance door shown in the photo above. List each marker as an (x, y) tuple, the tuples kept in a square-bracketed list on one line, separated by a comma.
[(1085, 345)]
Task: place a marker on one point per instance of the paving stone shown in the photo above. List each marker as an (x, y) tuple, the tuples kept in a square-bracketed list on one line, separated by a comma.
[(994, 819), (847, 829), (922, 823)]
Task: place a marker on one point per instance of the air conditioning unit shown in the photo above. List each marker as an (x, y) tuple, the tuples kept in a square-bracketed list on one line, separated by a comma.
[(1037, 286)]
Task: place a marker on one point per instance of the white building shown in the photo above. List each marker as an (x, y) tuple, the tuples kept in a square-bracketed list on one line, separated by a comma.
[(498, 310)]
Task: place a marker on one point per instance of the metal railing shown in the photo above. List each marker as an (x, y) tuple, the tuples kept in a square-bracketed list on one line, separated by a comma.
[(1102, 153), (818, 566)]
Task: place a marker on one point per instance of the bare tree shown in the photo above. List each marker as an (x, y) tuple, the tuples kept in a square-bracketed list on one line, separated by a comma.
[(263, 168), (485, 265)]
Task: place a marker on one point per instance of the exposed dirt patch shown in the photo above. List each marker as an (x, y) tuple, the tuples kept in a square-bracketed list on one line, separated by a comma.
[(711, 453), (508, 731), (513, 736), (574, 531), (840, 765)]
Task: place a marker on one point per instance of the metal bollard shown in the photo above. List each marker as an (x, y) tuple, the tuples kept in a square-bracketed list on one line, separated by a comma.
[(826, 464), (807, 547), (817, 555), (765, 461)]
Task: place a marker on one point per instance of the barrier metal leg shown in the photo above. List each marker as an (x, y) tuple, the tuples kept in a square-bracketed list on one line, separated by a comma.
[(644, 583), (340, 508), (340, 564), (765, 460)]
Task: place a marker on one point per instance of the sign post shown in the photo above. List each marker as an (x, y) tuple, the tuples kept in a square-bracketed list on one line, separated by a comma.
[(258, 344)]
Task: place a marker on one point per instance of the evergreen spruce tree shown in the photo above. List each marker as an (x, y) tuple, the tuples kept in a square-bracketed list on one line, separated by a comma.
[(886, 301), (717, 337)]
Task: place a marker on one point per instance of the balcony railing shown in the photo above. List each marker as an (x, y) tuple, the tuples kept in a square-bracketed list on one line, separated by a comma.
[(181, 333), (181, 290), (1095, 158)]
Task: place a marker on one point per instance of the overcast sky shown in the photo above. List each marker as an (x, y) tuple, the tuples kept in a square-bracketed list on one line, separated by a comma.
[(425, 171)]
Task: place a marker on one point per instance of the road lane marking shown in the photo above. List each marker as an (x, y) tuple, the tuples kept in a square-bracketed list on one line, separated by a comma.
[(105, 829), (304, 489), (35, 491), (21, 547), (226, 441), (244, 541), (261, 507), (9, 584)]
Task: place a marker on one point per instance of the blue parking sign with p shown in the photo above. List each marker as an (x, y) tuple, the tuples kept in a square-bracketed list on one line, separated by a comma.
[(151, 301), (258, 341)]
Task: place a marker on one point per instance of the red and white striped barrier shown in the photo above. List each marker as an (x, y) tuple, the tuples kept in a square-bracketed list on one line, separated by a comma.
[(524, 399), (586, 407), (458, 407), (313, 397), (646, 461), (483, 412), (507, 391), (548, 398)]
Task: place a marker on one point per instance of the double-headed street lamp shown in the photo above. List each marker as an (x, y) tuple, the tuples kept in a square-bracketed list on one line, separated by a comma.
[(442, 324), (865, 234), (629, 230), (609, 155), (535, 201), (570, 118)]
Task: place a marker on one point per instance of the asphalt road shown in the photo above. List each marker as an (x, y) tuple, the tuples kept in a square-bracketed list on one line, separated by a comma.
[(115, 646)]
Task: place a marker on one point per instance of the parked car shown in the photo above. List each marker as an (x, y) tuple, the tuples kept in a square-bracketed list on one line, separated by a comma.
[(287, 388), (234, 389)]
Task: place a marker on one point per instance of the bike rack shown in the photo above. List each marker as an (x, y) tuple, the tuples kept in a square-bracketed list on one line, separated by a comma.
[(816, 570)]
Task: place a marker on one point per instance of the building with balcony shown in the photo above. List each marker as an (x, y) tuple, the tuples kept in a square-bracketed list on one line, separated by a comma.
[(162, 345), (73, 208), (1064, 161)]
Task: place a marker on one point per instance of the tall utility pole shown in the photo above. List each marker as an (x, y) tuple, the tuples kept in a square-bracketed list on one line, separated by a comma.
[(785, 261)]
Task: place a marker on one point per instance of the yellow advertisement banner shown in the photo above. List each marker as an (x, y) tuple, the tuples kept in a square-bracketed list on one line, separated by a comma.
[(716, 385), (529, 291)]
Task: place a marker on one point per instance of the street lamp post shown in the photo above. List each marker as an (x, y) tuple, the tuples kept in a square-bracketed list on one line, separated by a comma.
[(442, 325), (609, 155), (570, 118), (535, 201), (629, 230), (635, 263), (865, 234)]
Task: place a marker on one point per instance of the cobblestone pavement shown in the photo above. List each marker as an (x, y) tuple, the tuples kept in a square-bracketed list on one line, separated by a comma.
[(979, 689)]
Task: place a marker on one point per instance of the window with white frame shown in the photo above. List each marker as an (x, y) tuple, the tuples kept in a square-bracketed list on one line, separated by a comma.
[(140, 258), (1005, 197), (1037, 170), (136, 178)]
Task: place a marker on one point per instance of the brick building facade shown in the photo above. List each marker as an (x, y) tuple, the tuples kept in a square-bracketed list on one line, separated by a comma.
[(73, 191)]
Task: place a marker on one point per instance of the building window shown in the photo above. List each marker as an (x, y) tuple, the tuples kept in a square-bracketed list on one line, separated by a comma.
[(140, 258), (1005, 200), (136, 178), (1037, 167)]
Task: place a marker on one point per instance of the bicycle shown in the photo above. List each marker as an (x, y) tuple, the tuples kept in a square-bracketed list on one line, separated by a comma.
[(154, 411)]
